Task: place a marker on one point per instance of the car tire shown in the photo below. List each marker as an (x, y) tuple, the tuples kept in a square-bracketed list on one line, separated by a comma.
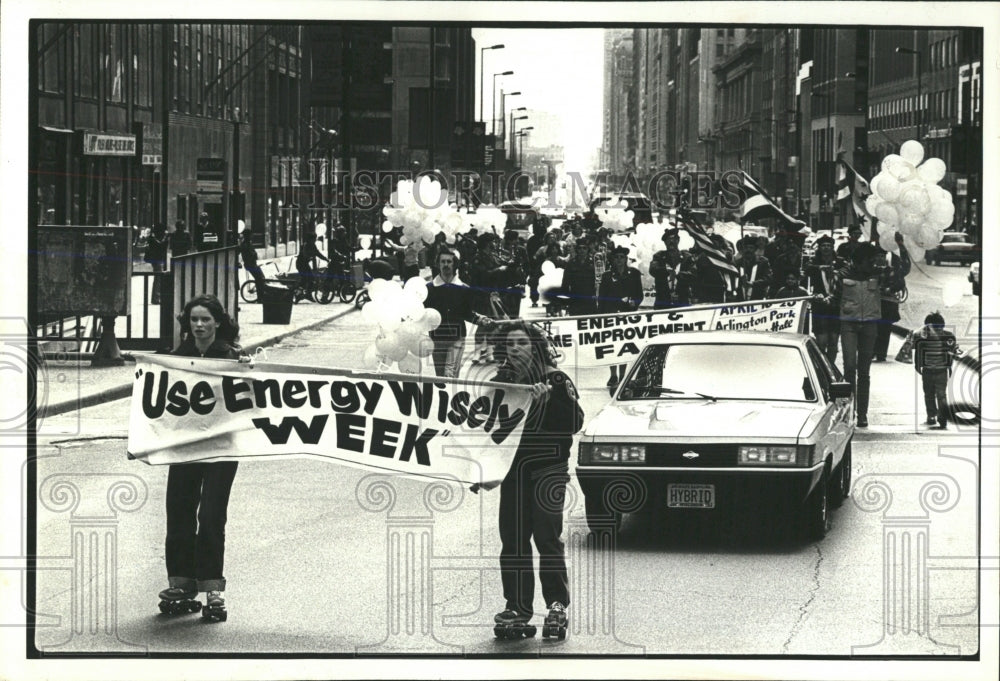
[(599, 517), (816, 517), (840, 482)]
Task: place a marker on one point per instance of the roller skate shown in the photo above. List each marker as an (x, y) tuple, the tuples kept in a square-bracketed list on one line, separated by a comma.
[(555, 622), (177, 601), (215, 607), (512, 625)]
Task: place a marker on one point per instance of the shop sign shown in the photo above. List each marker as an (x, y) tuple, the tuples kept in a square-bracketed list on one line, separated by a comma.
[(211, 175), (102, 144), (152, 145), (961, 186)]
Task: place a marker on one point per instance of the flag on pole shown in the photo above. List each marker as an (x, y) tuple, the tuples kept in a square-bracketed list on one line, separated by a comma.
[(703, 242), (850, 184), (757, 204)]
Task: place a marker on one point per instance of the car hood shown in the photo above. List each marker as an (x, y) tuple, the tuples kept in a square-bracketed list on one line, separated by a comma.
[(703, 418)]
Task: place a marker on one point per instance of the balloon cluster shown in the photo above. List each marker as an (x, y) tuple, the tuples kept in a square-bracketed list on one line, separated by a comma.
[(403, 324), (907, 199), (487, 218), (615, 217), (647, 240), (422, 210), (551, 279)]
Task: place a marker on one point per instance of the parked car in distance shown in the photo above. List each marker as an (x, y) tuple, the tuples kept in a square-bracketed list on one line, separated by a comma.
[(723, 422), (954, 247), (974, 278)]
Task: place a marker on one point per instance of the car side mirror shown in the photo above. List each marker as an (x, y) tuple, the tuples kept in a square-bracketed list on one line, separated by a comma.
[(840, 389)]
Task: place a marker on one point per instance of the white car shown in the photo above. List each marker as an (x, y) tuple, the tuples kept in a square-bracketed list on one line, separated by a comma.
[(722, 422)]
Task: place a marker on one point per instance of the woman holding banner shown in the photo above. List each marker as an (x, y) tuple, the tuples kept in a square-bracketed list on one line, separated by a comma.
[(198, 492), (534, 490)]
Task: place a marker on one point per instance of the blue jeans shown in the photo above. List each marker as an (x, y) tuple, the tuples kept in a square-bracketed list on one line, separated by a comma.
[(857, 341)]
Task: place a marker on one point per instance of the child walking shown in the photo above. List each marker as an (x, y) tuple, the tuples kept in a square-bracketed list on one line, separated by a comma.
[(934, 350)]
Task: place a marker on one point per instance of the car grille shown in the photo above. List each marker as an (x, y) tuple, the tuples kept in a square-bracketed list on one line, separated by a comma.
[(709, 455)]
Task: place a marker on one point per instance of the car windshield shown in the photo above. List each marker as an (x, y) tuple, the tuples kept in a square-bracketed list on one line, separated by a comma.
[(719, 372)]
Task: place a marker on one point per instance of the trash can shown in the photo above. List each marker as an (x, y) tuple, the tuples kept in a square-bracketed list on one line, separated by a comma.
[(277, 301)]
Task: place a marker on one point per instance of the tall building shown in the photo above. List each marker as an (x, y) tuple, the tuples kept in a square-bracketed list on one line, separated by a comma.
[(619, 118), (937, 89)]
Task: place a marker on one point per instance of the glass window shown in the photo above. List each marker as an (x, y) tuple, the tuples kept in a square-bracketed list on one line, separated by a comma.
[(754, 372)]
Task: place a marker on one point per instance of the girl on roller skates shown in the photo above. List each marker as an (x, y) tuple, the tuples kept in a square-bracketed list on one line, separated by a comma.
[(534, 490), (198, 493)]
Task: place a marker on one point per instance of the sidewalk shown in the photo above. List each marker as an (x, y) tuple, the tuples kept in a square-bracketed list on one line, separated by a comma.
[(67, 385)]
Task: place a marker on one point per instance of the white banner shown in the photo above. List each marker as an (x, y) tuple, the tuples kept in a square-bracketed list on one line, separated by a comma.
[(605, 340), (186, 409)]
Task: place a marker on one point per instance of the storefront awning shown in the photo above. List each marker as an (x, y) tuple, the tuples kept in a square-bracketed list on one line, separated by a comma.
[(50, 128)]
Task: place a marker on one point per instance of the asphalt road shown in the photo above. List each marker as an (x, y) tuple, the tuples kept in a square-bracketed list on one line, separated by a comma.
[(326, 559)]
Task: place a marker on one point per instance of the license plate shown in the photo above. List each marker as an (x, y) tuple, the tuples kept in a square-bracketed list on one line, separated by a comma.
[(690, 496)]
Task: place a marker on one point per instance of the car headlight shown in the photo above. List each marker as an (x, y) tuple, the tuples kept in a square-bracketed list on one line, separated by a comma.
[(597, 453), (769, 455)]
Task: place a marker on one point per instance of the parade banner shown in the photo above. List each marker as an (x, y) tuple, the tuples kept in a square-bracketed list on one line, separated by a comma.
[(610, 339), (186, 410)]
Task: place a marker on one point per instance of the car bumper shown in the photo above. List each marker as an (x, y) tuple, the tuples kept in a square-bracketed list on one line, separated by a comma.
[(955, 256), (735, 489)]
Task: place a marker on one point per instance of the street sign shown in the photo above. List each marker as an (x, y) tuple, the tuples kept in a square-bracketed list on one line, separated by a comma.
[(211, 175)]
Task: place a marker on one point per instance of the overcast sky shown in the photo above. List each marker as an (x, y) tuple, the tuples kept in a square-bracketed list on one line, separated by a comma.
[(556, 70)]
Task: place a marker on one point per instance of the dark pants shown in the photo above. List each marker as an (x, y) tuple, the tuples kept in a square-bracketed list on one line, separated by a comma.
[(197, 498), (935, 383), (857, 340), (531, 505), (158, 268), (827, 333)]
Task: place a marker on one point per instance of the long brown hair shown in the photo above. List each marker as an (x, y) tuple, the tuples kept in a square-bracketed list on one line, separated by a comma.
[(228, 330)]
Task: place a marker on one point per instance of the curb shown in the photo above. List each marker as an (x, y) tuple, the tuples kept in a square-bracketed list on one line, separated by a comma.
[(124, 390)]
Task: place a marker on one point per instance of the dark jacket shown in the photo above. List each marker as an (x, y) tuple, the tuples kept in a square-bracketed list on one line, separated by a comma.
[(219, 349), (934, 350), (614, 289), (673, 280), (454, 301), (551, 422), (753, 285), (180, 243)]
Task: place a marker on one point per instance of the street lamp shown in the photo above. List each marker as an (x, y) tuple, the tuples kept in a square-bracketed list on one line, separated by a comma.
[(493, 101), (920, 73), (513, 131), (503, 111), (481, 51), (522, 133), (512, 119)]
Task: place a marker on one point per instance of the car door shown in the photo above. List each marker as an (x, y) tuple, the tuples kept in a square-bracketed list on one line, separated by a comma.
[(839, 415)]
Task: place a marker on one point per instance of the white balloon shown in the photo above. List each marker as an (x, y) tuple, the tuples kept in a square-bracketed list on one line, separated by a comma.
[(888, 187), (320, 229), (548, 267), (431, 319), (914, 198), (409, 364), (424, 347), (952, 292), (889, 161), (872, 204), (932, 170), (387, 344), (378, 289), (366, 242), (904, 172), (912, 151), (887, 240), (387, 226), (416, 287), (241, 226), (887, 213)]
